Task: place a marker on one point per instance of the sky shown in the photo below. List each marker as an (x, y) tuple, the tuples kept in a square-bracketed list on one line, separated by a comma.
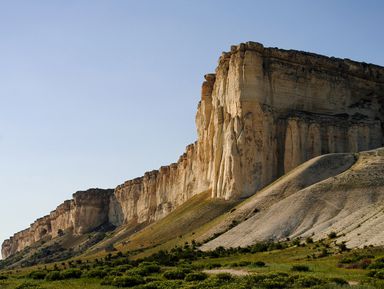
[(93, 93)]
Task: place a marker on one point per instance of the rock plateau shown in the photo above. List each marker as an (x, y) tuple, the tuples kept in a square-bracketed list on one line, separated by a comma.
[(263, 113)]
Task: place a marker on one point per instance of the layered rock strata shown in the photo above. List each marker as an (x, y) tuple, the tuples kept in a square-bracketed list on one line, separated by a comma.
[(263, 112), (87, 211)]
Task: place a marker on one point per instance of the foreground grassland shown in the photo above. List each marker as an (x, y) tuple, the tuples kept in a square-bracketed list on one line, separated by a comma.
[(267, 266)]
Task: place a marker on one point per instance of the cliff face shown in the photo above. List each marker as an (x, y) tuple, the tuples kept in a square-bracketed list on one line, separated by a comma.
[(271, 110), (84, 213), (262, 113)]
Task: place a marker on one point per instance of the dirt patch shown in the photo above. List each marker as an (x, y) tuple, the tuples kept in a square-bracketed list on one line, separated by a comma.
[(230, 271)]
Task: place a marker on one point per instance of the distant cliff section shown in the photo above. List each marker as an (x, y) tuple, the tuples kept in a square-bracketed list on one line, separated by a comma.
[(264, 112)]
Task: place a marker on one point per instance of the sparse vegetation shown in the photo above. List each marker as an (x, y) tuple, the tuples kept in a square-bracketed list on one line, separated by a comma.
[(300, 268), (264, 265)]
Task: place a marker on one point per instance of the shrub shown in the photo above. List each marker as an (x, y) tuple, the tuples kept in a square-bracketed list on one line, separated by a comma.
[(296, 242), (196, 276), (97, 273), (300, 268), (269, 281), (71, 274), (152, 279), (377, 264), (128, 281), (258, 264), (38, 275), (224, 276), (309, 240), (244, 263), (379, 274), (162, 285), (308, 281), (150, 268), (275, 282), (259, 247), (27, 285), (115, 272), (213, 265), (53, 276), (355, 261), (3, 277), (142, 271), (120, 261), (108, 280), (342, 246), (151, 285), (174, 274), (332, 235), (338, 281)]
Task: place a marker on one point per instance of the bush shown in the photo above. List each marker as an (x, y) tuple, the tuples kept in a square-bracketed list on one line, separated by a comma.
[(377, 264), (212, 265), (357, 261), (53, 276), (332, 235), (97, 273), (150, 268), (71, 274), (120, 261), (300, 268), (115, 272), (258, 264), (38, 275), (309, 240), (128, 281), (123, 268), (244, 263), (308, 281), (196, 276), (27, 285), (3, 277), (174, 274), (142, 271), (152, 279), (269, 281), (162, 285), (108, 280), (338, 281), (224, 276), (378, 274)]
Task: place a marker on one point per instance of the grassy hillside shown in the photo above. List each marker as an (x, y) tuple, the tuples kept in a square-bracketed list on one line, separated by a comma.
[(293, 264), (182, 225)]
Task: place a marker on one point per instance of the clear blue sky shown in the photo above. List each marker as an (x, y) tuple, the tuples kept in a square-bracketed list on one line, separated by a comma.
[(93, 93)]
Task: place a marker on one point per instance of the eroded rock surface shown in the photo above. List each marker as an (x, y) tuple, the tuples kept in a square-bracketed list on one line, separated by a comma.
[(349, 203), (87, 211), (264, 112)]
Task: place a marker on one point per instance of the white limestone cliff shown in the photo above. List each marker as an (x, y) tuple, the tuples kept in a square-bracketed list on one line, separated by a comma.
[(263, 112)]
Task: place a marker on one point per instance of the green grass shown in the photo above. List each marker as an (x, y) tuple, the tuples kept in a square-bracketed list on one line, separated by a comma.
[(13, 283), (182, 225), (190, 262)]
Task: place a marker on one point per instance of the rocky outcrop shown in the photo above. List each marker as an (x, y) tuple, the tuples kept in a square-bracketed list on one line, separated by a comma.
[(87, 211), (272, 109), (263, 112)]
